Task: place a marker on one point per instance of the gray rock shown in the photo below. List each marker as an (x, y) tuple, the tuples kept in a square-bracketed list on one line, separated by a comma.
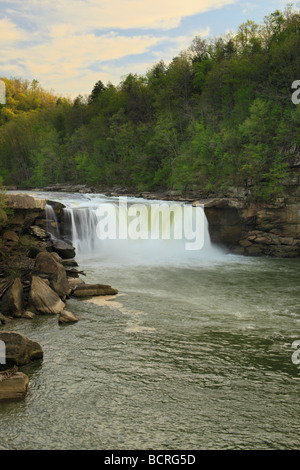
[(64, 250)]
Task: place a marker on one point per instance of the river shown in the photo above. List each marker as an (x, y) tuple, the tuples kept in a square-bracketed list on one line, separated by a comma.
[(195, 352)]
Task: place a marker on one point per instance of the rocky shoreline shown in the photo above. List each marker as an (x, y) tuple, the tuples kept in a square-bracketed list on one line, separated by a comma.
[(38, 274)]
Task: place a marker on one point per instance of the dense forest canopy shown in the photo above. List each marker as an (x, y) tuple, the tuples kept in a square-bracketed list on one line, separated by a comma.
[(219, 115)]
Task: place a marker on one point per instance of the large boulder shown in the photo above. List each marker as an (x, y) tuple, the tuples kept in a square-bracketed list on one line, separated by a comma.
[(47, 265), (43, 299), (20, 350), (14, 388), (11, 302), (65, 250), (91, 290)]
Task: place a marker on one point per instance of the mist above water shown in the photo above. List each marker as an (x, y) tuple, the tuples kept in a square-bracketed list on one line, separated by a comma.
[(138, 232)]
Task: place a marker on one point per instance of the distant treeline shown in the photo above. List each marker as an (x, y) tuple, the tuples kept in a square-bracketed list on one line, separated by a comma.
[(219, 115)]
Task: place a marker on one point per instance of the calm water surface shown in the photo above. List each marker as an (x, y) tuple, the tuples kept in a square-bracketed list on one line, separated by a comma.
[(185, 357)]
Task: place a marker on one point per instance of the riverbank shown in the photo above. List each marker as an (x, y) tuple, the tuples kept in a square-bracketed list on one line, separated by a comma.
[(38, 275)]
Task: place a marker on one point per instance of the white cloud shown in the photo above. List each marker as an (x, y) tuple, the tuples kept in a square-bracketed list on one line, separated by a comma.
[(9, 32), (67, 57), (85, 15), (70, 42)]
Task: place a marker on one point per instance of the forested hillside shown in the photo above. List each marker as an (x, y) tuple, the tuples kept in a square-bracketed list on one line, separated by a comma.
[(219, 115)]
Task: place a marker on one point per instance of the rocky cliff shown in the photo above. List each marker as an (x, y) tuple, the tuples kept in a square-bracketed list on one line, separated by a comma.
[(254, 229)]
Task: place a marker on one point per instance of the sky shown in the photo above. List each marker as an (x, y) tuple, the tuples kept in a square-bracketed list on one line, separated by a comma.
[(71, 44)]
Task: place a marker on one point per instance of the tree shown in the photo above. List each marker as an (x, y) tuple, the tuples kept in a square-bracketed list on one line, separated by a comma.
[(97, 90)]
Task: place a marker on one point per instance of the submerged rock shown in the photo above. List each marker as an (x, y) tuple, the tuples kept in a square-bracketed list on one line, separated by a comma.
[(91, 290)]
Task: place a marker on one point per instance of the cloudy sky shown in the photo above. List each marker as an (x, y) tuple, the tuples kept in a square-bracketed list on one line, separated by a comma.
[(71, 44)]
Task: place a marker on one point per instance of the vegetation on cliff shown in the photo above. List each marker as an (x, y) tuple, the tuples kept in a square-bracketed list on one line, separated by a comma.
[(219, 115)]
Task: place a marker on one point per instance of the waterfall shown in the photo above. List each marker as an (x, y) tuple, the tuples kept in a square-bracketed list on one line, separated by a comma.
[(138, 231), (81, 224), (51, 221)]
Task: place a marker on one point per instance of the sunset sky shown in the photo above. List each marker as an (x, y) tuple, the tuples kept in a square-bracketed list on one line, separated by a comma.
[(69, 45)]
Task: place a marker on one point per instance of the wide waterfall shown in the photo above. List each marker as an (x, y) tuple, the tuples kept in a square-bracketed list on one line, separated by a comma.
[(138, 231)]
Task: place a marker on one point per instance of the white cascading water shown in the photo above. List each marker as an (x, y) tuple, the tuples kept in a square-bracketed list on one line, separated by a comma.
[(82, 224), (51, 221)]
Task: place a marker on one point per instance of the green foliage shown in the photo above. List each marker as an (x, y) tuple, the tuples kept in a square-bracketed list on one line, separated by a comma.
[(220, 114)]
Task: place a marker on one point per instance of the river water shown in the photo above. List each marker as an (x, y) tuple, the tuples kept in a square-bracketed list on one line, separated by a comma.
[(195, 352)]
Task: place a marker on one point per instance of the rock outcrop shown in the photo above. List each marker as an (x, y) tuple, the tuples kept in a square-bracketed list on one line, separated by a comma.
[(26, 209), (255, 229)]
